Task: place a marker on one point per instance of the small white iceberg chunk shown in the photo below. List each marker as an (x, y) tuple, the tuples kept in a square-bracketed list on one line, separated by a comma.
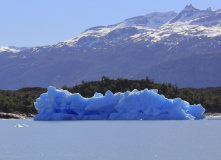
[(21, 125)]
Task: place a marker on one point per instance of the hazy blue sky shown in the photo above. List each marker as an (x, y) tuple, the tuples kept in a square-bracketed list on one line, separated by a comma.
[(42, 22)]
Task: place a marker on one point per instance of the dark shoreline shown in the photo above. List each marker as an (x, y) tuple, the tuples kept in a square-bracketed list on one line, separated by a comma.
[(212, 114), (18, 115), (15, 115)]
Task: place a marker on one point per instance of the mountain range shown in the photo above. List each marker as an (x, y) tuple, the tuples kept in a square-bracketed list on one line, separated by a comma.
[(179, 48)]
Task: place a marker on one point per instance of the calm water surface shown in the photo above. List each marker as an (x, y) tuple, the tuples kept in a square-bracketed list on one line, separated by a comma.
[(110, 140)]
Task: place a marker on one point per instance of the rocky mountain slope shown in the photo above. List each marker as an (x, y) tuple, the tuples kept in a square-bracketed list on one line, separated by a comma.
[(183, 48)]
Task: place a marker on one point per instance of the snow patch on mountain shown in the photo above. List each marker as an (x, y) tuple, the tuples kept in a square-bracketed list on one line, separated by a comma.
[(12, 49), (153, 20), (127, 28), (191, 13)]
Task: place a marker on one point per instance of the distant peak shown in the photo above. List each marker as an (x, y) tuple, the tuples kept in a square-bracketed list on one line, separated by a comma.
[(190, 7), (209, 9)]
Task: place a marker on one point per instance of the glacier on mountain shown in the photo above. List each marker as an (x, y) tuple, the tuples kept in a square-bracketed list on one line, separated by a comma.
[(58, 104)]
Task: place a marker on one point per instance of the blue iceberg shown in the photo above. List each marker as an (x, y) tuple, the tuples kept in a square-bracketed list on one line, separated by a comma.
[(58, 104)]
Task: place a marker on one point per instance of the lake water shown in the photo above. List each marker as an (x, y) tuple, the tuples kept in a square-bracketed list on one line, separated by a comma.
[(110, 140)]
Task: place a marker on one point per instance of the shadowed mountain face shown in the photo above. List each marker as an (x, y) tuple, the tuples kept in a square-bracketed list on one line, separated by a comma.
[(183, 48)]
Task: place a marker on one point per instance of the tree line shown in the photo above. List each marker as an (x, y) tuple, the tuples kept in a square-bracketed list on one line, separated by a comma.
[(23, 99)]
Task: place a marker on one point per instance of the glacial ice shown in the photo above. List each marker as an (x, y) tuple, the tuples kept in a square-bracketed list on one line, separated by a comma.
[(58, 104)]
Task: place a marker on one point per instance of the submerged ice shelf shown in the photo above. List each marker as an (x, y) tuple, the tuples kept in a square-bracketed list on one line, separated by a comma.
[(58, 104)]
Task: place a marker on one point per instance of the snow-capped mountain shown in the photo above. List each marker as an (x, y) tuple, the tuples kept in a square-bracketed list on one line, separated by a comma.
[(129, 27), (182, 48), (154, 26)]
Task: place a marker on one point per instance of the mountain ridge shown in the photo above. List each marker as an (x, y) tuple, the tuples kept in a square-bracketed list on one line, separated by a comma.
[(134, 48)]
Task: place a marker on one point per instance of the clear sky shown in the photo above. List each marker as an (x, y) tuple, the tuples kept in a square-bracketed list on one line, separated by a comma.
[(44, 22)]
